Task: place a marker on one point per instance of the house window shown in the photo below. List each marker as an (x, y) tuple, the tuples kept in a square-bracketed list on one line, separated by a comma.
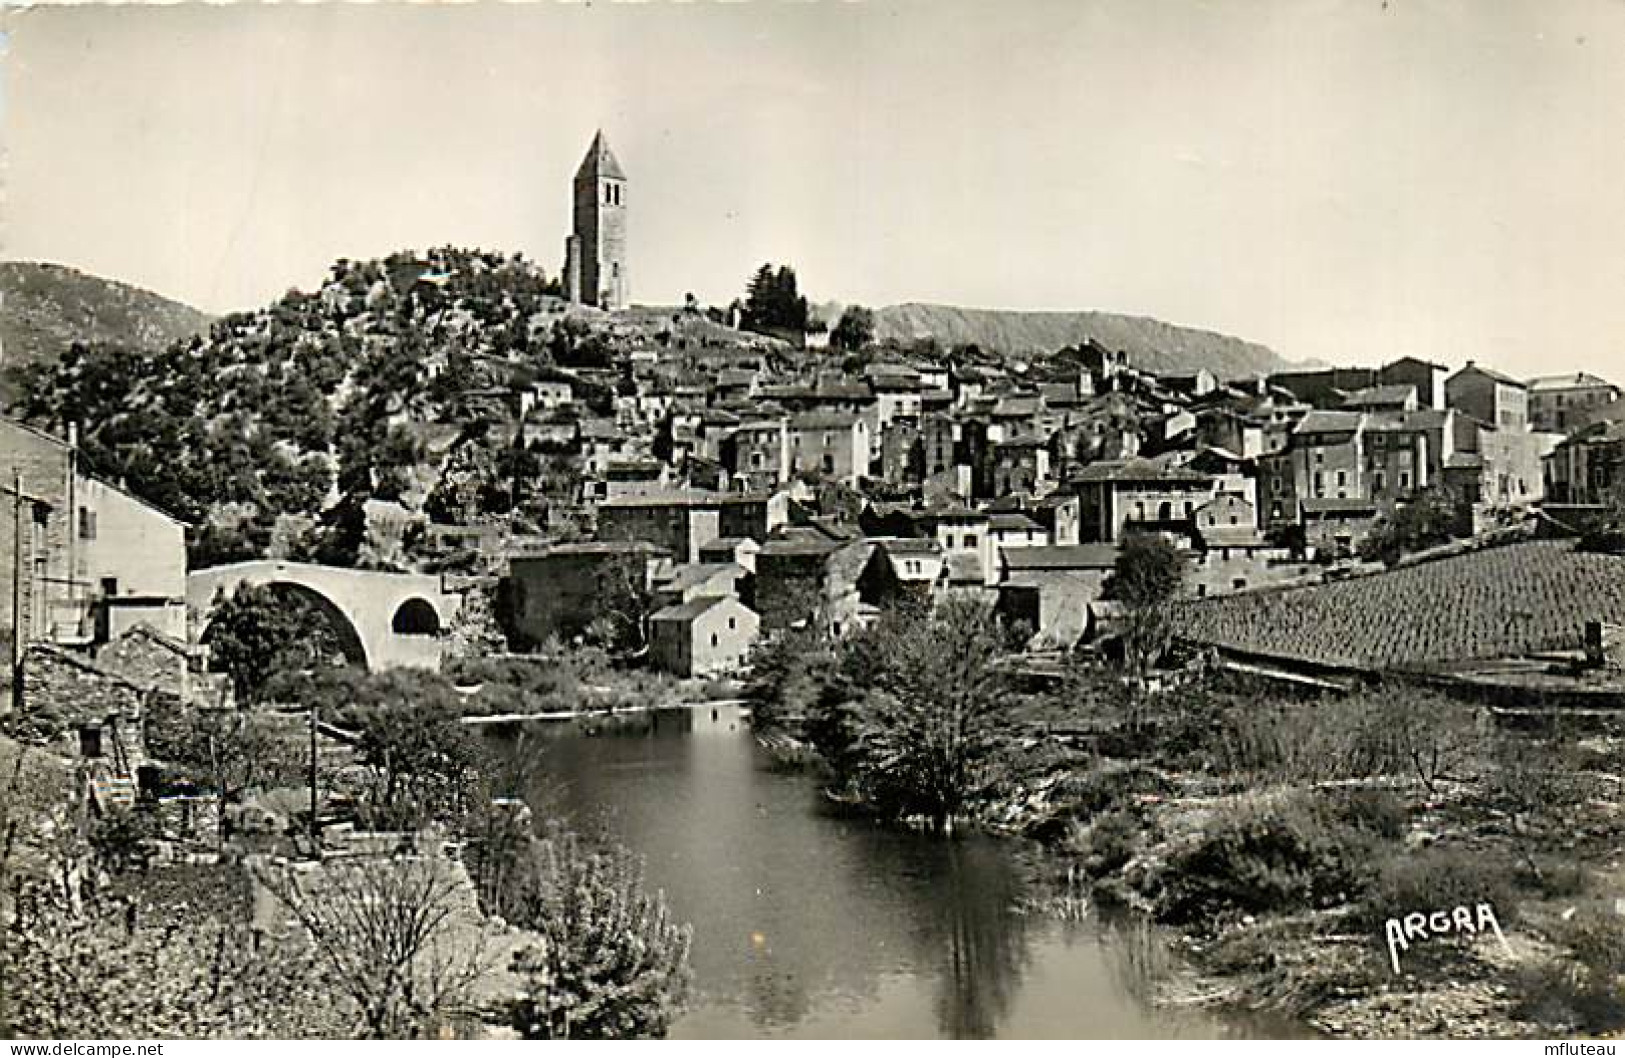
[(1404, 480), (970, 540), (1377, 481), (731, 624), (1234, 520), (1342, 478), (87, 524), (90, 742)]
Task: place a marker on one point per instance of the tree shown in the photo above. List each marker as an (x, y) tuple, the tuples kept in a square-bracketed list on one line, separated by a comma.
[(421, 762), (854, 330), (400, 937), (231, 750), (257, 631), (917, 726), (1431, 517), (773, 303), (1145, 578), (103, 971), (612, 964)]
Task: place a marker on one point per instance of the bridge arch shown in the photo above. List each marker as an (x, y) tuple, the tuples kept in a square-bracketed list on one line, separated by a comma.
[(415, 617), (345, 633), (381, 619)]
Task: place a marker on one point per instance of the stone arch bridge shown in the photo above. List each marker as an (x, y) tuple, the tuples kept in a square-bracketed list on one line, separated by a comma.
[(383, 620)]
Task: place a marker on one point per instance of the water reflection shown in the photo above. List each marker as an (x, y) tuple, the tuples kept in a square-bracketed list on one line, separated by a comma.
[(974, 936), (807, 923)]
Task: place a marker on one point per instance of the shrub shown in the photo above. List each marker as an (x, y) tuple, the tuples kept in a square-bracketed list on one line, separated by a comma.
[(1377, 812), (1438, 879), (1287, 856), (1553, 877), (1109, 842), (1583, 992), (611, 963)]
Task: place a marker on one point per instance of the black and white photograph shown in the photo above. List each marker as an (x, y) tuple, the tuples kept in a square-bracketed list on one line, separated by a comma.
[(767, 520)]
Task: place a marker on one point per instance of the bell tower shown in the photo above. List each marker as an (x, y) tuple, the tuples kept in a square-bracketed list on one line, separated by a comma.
[(595, 252)]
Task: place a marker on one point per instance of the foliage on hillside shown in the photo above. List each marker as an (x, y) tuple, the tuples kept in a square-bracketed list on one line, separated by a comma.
[(318, 402), (1498, 602), (1151, 345), (48, 307)]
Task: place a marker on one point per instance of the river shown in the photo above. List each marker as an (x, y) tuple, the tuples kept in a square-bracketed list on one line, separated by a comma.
[(809, 924)]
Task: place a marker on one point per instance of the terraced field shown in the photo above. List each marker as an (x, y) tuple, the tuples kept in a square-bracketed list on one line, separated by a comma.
[(1499, 602)]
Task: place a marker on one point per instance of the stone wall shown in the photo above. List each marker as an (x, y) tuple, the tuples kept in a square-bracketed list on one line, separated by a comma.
[(63, 695)]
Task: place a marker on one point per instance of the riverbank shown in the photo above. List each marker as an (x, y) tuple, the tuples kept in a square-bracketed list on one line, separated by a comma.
[(1281, 894), (1275, 838)]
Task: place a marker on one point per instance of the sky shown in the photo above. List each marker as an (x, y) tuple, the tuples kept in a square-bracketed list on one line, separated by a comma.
[(1340, 180)]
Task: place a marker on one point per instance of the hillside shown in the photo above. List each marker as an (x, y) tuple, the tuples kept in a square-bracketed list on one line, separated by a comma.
[(1499, 602), (45, 307), (394, 380), (1151, 344)]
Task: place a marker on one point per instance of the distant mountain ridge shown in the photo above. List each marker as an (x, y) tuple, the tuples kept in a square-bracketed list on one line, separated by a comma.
[(44, 308), (1151, 344)]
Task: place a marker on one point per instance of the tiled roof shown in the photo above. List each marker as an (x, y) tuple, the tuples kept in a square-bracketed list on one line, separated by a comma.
[(1136, 469), (1505, 380), (1398, 393), (1575, 380), (1077, 556), (1009, 520), (1330, 422), (823, 421), (1335, 505), (687, 611)]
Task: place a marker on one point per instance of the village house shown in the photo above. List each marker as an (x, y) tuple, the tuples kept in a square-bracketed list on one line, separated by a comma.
[(95, 560), (965, 540), (757, 454), (681, 521), (805, 576), (902, 456), (740, 550), (1021, 464), (835, 445), (902, 569), (1328, 455), (72, 707), (1488, 396), (1124, 495), (897, 391), (1584, 468), (561, 591), (704, 636), (1335, 526), (1051, 589), (1560, 403), (1406, 452), (1059, 514), (1015, 529), (696, 579)]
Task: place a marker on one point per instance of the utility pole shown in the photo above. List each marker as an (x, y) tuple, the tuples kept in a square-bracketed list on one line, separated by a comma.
[(315, 830), (17, 570)]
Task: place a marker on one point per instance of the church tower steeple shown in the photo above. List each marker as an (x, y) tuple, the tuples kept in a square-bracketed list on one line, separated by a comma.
[(595, 252)]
